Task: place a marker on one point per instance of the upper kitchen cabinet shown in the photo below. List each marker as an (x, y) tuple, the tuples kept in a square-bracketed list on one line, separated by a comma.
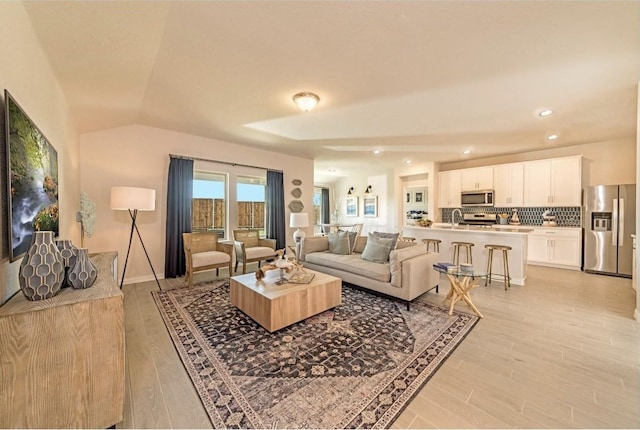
[(479, 178), (508, 185), (449, 189), (553, 182)]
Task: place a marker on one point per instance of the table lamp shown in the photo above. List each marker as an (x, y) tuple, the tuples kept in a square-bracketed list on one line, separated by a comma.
[(134, 199), (298, 220)]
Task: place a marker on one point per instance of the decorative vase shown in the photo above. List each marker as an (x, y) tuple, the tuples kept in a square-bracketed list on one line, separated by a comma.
[(42, 269), (68, 251), (84, 273)]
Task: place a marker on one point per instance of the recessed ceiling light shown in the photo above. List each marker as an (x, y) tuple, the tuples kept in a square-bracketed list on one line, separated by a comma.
[(545, 112), (468, 151), (552, 137), (377, 151), (332, 170), (407, 162)]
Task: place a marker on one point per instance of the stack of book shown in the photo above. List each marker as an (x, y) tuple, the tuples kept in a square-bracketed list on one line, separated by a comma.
[(449, 267)]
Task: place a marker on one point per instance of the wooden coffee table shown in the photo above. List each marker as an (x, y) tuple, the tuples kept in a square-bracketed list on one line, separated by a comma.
[(278, 306)]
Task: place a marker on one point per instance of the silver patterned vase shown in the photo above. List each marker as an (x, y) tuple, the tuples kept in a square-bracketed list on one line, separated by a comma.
[(42, 269), (84, 273), (68, 251)]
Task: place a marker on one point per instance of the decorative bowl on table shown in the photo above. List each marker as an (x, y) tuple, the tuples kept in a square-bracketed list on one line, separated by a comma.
[(424, 222)]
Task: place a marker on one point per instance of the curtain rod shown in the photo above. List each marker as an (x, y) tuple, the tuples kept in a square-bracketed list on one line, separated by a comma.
[(224, 162)]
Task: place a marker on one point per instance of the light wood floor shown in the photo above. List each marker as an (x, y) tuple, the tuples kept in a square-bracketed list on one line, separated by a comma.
[(561, 352)]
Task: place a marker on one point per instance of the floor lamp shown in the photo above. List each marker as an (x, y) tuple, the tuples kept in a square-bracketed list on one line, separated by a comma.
[(133, 200)]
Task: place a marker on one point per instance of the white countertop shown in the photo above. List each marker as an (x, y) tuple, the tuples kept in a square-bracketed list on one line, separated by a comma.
[(523, 230)]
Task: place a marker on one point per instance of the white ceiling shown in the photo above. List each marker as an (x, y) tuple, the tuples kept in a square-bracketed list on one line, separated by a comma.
[(417, 80)]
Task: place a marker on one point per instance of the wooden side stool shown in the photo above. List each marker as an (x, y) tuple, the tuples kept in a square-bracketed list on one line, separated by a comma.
[(456, 252), (505, 264), (434, 242)]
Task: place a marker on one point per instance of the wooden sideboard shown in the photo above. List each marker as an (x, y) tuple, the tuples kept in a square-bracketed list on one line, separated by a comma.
[(62, 360)]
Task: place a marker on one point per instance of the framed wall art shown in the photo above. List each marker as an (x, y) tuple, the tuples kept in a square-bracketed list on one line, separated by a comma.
[(32, 166), (371, 206), (352, 206), (420, 196)]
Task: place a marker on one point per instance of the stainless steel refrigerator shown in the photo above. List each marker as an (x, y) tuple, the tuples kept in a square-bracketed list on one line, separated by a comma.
[(609, 222)]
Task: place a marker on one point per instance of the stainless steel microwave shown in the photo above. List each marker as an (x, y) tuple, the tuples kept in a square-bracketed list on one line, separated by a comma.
[(477, 198)]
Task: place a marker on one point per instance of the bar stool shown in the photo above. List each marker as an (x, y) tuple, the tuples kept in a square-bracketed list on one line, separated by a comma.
[(434, 242), (505, 264), (456, 252)]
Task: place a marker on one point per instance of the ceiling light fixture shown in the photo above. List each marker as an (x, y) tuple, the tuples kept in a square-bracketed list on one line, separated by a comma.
[(552, 137), (407, 162), (377, 151), (545, 112), (306, 101), (468, 151)]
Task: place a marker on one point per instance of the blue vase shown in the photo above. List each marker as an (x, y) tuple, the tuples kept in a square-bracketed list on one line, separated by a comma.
[(42, 269)]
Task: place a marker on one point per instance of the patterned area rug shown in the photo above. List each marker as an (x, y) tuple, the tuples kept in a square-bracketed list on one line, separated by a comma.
[(355, 366)]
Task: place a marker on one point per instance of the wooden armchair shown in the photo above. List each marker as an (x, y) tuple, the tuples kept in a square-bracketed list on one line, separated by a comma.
[(203, 252), (249, 247)]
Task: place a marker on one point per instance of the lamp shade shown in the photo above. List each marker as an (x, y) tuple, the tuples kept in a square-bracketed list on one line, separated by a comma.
[(142, 199), (299, 220)]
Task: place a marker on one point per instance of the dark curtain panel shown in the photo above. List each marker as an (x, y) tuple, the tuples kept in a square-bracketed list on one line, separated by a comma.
[(274, 201), (326, 214), (179, 195)]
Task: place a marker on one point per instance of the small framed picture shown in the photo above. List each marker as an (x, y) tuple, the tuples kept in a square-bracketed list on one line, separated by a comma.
[(352, 206), (407, 199), (371, 206), (419, 197)]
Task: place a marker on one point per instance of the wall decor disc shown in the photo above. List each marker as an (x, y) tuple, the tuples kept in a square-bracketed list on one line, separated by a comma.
[(296, 182), (296, 192), (296, 206)]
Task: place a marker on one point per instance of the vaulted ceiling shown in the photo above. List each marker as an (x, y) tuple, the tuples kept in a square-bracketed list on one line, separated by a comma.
[(415, 80)]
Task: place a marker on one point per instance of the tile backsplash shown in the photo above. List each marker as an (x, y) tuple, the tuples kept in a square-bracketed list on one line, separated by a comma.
[(565, 216)]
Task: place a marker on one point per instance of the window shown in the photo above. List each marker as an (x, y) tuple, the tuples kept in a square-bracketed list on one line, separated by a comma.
[(251, 197), (208, 207)]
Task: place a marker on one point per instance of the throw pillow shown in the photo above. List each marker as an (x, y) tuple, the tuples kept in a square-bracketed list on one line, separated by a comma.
[(392, 236), (339, 243), (353, 235), (377, 249)]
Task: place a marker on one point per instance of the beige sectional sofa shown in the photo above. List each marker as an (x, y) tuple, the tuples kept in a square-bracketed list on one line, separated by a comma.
[(408, 273)]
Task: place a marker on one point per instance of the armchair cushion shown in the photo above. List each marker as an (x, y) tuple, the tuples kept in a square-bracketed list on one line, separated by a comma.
[(258, 252), (201, 259)]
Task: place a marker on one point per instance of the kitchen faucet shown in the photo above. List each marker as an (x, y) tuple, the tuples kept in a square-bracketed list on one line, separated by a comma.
[(453, 217)]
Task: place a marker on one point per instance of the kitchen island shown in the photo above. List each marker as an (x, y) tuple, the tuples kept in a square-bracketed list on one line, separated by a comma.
[(513, 236)]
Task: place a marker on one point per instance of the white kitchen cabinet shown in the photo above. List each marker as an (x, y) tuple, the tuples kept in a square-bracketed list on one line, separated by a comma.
[(508, 185), (555, 247), (449, 189), (553, 182), (478, 178)]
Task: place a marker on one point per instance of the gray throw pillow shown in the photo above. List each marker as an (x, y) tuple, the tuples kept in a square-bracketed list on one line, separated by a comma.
[(393, 236), (377, 249), (353, 236), (339, 243)]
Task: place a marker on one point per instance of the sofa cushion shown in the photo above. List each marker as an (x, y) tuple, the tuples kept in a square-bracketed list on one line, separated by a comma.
[(377, 249), (351, 263), (392, 236), (397, 256), (339, 243)]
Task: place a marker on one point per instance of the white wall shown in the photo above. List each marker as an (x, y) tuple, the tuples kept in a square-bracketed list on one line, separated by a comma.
[(25, 73), (381, 187), (138, 156)]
